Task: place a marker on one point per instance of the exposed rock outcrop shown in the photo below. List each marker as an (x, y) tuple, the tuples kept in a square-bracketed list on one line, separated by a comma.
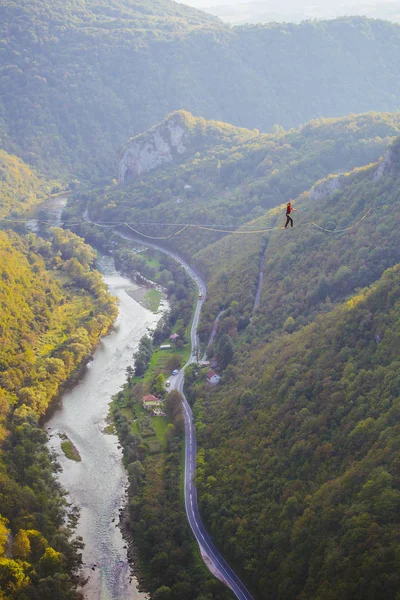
[(175, 139), (327, 187), (390, 165), (157, 146), (385, 166)]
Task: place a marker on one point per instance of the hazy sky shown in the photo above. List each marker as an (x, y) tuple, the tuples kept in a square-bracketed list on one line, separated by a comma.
[(258, 11), (275, 5)]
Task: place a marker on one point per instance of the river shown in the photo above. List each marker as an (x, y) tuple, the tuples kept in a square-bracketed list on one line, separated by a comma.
[(98, 483)]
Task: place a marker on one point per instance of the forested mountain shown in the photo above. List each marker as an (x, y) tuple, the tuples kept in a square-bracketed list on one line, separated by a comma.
[(307, 270), (298, 448), (298, 458), (49, 323), (78, 78), (179, 137), (256, 11), (54, 307)]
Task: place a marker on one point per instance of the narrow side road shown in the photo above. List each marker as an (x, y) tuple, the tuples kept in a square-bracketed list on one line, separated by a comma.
[(213, 333), (217, 564)]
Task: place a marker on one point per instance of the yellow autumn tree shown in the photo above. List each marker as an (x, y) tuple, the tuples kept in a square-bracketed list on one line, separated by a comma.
[(22, 546), (4, 532)]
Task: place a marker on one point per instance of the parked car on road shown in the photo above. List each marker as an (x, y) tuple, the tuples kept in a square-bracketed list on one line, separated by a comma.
[(175, 372)]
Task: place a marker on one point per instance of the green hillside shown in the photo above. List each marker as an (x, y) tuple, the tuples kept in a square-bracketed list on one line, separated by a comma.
[(79, 78), (297, 467), (297, 464), (302, 270), (20, 187), (308, 269), (298, 477), (298, 455)]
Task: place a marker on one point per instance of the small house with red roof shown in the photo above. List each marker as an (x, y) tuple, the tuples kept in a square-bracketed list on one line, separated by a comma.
[(213, 378), (149, 402)]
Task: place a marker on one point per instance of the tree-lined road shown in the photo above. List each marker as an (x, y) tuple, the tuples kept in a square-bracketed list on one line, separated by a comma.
[(208, 548)]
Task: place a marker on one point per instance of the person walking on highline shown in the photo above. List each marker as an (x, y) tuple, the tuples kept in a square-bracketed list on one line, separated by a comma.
[(289, 209)]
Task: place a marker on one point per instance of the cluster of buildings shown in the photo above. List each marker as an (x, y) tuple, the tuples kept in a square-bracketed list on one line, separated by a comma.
[(154, 404)]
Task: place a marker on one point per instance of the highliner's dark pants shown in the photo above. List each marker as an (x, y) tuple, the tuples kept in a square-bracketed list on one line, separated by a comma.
[(289, 220)]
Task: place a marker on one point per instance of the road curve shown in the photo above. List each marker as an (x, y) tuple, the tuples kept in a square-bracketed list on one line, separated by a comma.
[(218, 565)]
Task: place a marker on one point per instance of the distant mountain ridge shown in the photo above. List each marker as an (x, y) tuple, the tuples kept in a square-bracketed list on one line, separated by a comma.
[(79, 79), (291, 11)]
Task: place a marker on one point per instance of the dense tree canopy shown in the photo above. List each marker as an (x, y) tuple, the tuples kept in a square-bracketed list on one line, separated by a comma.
[(297, 464), (298, 455), (54, 307), (53, 311), (20, 187)]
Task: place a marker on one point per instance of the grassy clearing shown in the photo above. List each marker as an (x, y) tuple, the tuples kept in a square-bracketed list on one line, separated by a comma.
[(160, 425), (160, 358), (151, 260), (151, 429), (152, 300), (158, 364), (140, 410)]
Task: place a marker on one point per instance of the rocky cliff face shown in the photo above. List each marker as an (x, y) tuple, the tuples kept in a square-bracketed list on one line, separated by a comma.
[(159, 145), (327, 187), (390, 164)]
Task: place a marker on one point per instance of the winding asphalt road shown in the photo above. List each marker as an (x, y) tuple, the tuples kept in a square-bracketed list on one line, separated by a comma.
[(218, 566)]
